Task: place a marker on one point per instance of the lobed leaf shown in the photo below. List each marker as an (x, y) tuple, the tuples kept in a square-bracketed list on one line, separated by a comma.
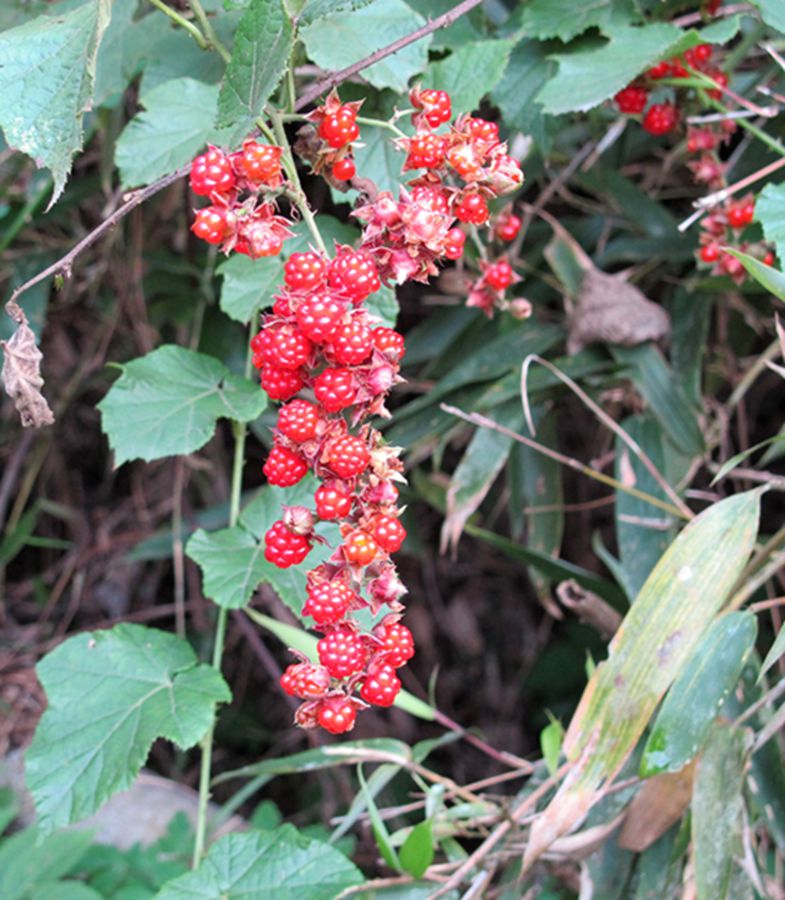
[(565, 19), (657, 638), (449, 74), (131, 686), (168, 402), (770, 212), (277, 865)]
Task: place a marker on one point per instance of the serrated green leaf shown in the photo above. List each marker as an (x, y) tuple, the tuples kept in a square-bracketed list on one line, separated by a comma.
[(167, 403), (599, 69), (564, 19), (353, 35), (718, 813), (770, 212), (322, 9), (767, 276), (276, 865), (46, 84), (773, 13), (378, 159), (528, 69), (174, 125), (648, 653), (130, 685), (232, 564), (126, 45), (416, 853), (691, 705), (28, 859), (449, 74), (260, 54)]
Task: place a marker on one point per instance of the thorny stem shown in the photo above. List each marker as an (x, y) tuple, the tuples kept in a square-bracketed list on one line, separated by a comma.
[(213, 41), (240, 431), (182, 22)]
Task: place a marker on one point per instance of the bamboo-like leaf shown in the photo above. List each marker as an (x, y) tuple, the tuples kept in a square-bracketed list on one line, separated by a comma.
[(675, 607)]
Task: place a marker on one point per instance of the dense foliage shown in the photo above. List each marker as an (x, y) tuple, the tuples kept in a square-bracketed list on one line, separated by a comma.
[(295, 286)]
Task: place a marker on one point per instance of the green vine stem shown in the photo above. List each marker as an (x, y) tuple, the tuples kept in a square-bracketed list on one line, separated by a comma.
[(240, 431), (182, 22), (213, 41)]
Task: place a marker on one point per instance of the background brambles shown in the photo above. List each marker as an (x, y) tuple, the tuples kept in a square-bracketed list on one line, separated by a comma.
[(591, 424)]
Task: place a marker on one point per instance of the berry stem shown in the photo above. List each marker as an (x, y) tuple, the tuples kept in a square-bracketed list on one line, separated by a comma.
[(180, 20), (380, 123), (213, 41), (239, 430), (296, 195)]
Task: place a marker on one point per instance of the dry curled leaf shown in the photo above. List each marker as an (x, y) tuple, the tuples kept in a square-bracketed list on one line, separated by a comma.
[(22, 377)]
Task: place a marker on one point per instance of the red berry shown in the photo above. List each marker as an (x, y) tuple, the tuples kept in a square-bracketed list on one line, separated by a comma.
[(351, 343), (284, 467), (389, 533), (473, 209), (397, 643), (741, 214), (710, 253), (437, 106), (328, 602), (331, 502), (212, 173), (306, 681), (342, 652), (349, 456), (731, 266), (284, 547), (507, 227), (360, 548), (336, 714), (340, 128), (380, 686), (335, 389), (719, 78), (483, 130), (698, 56), (768, 259), (426, 151), (298, 420), (660, 70), (632, 100), (318, 317), (304, 271), (213, 224), (260, 163), (660, 118), (454, 242), (343, 169), (431, 198), (284, 346), (499, 275), (354, 273), (389, 342), (281, 384)]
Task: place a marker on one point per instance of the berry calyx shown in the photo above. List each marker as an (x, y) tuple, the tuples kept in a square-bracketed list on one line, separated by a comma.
[(632, 100), (342, 652), (343, 169), (212, 173), (380, 686), (284, 468), (298, 420), (284, 547), (660, 118), (336, 715), (304, 271)]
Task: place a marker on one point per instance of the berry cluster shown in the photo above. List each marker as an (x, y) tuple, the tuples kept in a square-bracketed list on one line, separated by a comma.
[(723, 228), (241, 186), (337, 129), (662, 118)]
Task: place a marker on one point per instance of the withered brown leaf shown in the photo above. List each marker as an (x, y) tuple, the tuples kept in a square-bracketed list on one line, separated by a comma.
[(22, 377)]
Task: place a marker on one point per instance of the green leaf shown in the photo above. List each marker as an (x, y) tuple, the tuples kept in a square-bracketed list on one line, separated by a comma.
[(46, 84), (379, 829), (773, 13), (167, 403), (126, 46), (730, 464), (718, 813), (775, 652), (64, 890), (767, 276), (353, 35), (770, 212), (322, 9), (598, 70), (449, 74), (564, 19), (691, 705), (260, 54), (232, 564), (174, 125), (28, 859), (528, 70), (276, 865), (416, 854), (551, 738), (130, 686), (656, 640)]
